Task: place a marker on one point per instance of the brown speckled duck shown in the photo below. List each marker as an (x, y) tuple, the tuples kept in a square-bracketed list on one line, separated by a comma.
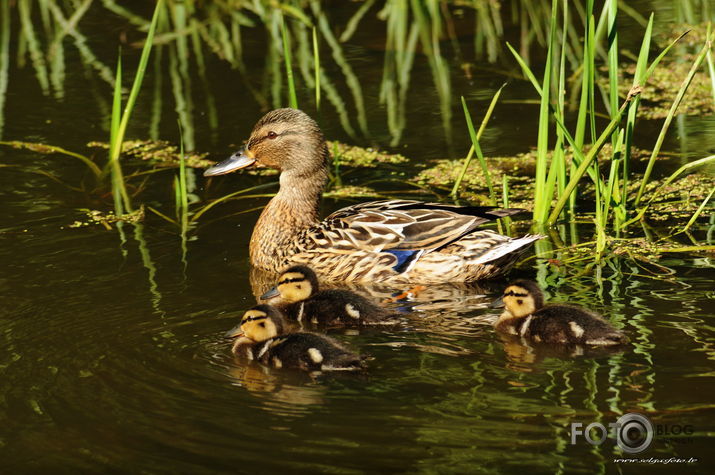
[(396, 240), (526, 316)]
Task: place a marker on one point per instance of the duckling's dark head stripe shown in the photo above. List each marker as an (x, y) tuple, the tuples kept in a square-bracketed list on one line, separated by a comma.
[(251, 319), (295, 279), (511, 293)]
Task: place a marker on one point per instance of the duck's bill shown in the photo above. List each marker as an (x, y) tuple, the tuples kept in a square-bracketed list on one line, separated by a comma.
[(270, 294), (234, 332), (241, 159), (498, 303)]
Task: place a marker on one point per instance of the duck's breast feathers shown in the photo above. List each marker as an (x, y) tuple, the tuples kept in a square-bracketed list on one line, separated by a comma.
[(403, 225)]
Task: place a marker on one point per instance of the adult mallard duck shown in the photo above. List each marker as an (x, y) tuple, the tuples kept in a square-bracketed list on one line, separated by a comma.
[(397, 240)]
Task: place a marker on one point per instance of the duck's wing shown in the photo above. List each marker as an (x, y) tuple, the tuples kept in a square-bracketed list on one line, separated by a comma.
[(403, 225)]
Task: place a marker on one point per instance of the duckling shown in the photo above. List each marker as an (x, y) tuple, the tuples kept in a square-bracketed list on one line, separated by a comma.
[(302, 300), (261, 336), (527, 316)]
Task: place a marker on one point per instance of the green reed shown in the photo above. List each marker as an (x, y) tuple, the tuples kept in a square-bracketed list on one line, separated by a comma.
[(292, 97), (120, 119), (551, 178), (475, 146)]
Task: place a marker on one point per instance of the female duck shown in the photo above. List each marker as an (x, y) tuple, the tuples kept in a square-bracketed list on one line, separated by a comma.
[(301, 300), (527, 316), (260, 336), (400, 240)]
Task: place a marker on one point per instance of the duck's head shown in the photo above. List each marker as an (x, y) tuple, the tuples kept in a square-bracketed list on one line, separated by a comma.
[(521, 298), (295, 284), (284, 139), (258, 324)]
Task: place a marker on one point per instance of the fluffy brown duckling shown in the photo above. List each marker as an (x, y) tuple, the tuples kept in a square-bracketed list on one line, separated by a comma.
[(302, 300), (526, 316), (261, 337)]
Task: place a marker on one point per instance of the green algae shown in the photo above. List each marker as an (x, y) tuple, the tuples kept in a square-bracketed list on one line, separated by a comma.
[(158, 153), (677, 201), (360, 157), (95, 217)]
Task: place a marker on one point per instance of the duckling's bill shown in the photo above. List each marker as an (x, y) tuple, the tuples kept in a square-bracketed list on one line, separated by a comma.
[(241, 159), (498, 303), (270, 294), (234, 332)]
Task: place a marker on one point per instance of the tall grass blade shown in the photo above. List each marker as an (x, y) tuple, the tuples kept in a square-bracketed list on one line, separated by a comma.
[(292, 97), (316, 67), (482, 127), (590, 156), (33, 44), (478, 150), (688, 166), (711, 67), (4, 58), (669, 118), (700, 209), (542, 198), (118, 133)]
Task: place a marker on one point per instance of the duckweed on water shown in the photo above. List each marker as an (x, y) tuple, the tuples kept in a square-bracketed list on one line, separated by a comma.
[(657, 96), (677, 201), (359, 157), (96, 217), (159, 153)]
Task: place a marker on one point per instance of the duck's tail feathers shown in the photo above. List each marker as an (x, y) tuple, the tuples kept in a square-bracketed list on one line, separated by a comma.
[(509, 247)]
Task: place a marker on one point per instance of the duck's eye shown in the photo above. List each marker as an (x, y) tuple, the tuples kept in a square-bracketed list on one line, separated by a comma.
[(271, 135), (519, 301), (262, 324)]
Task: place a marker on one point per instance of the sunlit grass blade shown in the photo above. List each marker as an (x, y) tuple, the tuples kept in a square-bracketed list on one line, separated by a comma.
[(292, 97), (699, 211), (316, 67), (688, 166), (590, 156), (119, 190), (136, 86), (182, 194), (669, 118), (711, 66), (4, 58), (482, 127), (478, 150), (354, 21)]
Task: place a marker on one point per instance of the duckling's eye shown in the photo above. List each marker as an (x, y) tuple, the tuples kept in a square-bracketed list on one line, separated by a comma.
[(271, 135), (297, 286), (262, 324), (519, 301)]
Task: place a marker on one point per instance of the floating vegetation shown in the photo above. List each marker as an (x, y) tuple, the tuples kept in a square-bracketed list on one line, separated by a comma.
[(657, 96), (159, 153), (359, 157), (96, 217), (676, 201)]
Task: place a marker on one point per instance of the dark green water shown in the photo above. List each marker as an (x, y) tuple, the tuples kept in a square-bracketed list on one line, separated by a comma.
[(112, 358)]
